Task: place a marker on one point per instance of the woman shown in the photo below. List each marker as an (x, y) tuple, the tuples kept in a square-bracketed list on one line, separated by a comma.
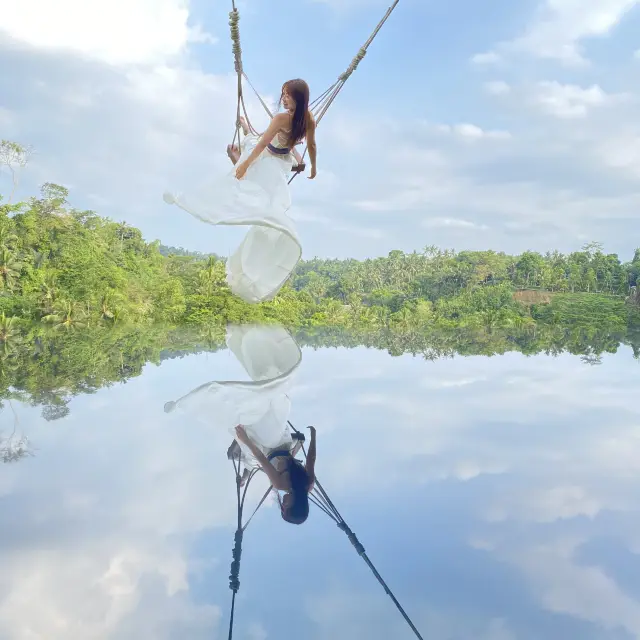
[(285, 131), (286, 474), (256, 194)]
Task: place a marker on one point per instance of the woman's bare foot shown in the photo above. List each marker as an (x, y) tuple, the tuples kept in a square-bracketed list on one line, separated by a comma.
[(233, 152)]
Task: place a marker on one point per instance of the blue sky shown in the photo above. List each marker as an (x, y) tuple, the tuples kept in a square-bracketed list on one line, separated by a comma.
[(497, 496), (499, 125)]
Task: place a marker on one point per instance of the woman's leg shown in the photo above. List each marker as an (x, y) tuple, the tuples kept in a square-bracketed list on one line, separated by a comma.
[(234, 451), (233, 151), (244, 125)]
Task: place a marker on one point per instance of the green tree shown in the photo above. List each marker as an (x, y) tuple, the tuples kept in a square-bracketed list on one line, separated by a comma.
[(10, 267)]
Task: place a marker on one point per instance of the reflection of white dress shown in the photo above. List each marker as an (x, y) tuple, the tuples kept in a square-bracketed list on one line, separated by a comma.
[(271, 249), (269, 355)]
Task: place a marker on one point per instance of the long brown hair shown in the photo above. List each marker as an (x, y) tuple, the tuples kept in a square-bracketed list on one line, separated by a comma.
[(299, 90), (298, 510)]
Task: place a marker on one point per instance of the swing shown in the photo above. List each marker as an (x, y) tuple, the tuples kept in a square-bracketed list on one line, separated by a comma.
[(270, 356), (320, 498), (265, 259), (318, 107)]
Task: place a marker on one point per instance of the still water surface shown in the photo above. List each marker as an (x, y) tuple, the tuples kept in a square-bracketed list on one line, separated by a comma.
[(498, 496)]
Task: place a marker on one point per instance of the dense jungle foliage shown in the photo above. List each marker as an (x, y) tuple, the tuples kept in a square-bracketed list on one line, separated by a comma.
[(69, 268), (41, 366)]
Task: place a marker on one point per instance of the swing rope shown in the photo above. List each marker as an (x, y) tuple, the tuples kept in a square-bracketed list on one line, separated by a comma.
[(236, 554), (241, 108), (324, 502), (319, 106), (321, 499)]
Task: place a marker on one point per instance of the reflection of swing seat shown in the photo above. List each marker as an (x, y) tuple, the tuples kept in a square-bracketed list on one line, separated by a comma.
[(234, 452)]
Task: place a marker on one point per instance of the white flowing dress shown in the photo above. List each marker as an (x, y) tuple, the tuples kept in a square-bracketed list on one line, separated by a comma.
[(270, 251), (269, 355)]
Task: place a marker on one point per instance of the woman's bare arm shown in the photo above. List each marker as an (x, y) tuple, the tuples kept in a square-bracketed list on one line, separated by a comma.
[(277, 481), (311, 145), (311, 456)]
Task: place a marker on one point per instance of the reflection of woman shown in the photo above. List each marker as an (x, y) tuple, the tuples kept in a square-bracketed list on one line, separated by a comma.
[(285, 473)]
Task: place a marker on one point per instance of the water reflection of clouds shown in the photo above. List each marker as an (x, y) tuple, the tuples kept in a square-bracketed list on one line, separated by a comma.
[(562, 440), (95, 546), (497, 495)]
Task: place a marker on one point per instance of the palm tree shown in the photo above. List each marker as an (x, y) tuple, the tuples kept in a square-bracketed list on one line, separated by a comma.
[(108, 309), (10, 267), (9, 335), (48, 292), (67, 315), (8, 239), (212, 276)]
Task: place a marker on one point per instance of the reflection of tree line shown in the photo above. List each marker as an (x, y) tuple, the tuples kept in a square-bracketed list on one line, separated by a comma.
[(550, 340), (48, 368)]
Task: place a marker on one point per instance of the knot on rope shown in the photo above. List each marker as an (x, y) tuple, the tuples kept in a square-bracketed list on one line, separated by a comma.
[(354, 64), (352, 537), (234, 20), (234, 576)]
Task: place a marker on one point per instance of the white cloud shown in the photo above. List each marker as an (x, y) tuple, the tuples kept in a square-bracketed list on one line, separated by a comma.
[(559, 28), (622, 152), (488, 58), (109, 558), (563, 586), (453, 383), (549, 186), (561, 468), (568, 100), (472, 132), (361, 231), (636, 54), (548, 504), (115, 31), (456, 223), (497, 87), (344, 6), (95, 592)]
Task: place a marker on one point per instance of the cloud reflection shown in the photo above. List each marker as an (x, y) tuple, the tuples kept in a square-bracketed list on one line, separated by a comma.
[(498, 497)]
